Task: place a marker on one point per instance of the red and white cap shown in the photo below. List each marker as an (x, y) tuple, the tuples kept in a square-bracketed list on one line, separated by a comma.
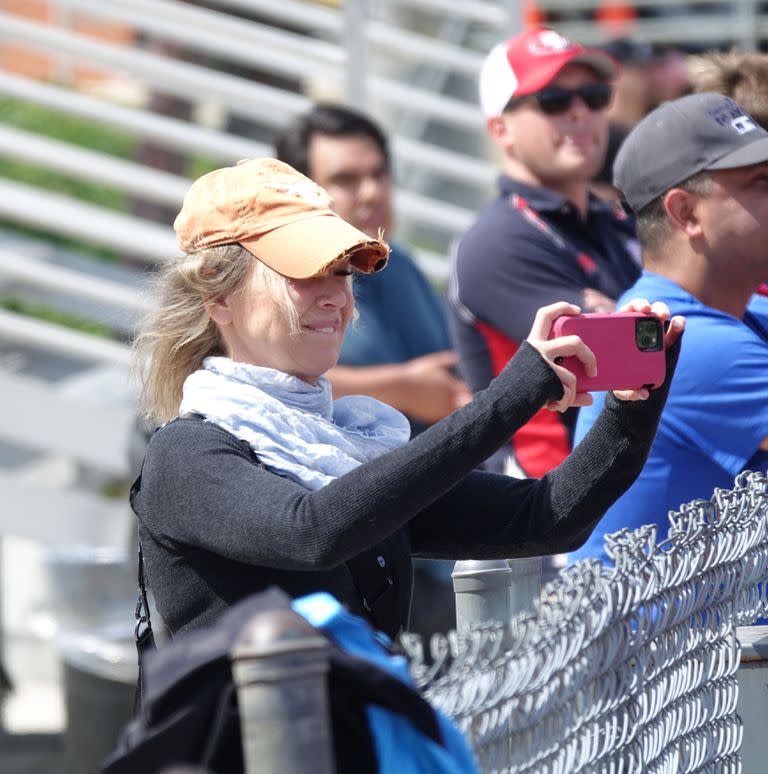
[(528, 62)]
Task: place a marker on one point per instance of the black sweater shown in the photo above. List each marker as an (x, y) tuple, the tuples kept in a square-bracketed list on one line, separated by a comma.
[(215, 526)]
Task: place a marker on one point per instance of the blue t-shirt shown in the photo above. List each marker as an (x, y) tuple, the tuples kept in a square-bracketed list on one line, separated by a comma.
[(715, 418), (401, 316)]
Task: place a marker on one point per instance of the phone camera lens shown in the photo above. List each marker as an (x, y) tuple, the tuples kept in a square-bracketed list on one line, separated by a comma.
[(647, 335)]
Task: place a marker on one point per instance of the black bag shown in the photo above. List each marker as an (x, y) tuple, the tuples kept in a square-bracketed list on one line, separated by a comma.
[(189, 715)]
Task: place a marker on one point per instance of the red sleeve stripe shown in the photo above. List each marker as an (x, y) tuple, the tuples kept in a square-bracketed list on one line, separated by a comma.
[(543, 443)]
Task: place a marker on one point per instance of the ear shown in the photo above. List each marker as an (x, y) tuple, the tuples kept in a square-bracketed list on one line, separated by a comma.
[(219, 310), (681, 210), (498, 128)]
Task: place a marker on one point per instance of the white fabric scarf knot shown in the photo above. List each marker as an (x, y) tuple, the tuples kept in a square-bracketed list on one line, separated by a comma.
[(295, 428)]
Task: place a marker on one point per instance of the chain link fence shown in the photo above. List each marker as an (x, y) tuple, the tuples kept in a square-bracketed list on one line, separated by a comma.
[(625, 668)]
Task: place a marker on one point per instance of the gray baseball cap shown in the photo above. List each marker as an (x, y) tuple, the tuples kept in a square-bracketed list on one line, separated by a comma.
[(680, 138)]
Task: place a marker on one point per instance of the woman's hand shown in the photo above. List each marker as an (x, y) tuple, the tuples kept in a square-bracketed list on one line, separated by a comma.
[(672, 334), (566, 346), (563, 346)]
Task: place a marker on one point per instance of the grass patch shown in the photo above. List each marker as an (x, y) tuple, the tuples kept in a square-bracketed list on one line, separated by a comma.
[(84, 133), (20, 306), (77, 131), (197, 166)]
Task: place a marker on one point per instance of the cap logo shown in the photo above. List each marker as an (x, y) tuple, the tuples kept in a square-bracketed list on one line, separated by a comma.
[(306, 190), (549, 42), (728, 113), (743, 124)]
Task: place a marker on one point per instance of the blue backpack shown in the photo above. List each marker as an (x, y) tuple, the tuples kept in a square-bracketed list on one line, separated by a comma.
[(380, 722), (408, 735)]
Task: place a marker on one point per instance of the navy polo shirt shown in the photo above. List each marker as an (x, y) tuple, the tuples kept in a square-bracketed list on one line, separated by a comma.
[(528, 248), (401, 316)]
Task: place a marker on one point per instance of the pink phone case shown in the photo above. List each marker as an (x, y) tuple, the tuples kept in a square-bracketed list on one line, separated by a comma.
[(621, 364)]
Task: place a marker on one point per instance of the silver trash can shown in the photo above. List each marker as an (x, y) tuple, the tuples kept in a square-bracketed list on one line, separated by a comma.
[(94, 595), (99, 674)]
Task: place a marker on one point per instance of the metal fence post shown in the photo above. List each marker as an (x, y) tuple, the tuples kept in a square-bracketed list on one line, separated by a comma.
[(280, 668), (525, 584), (494, 589)]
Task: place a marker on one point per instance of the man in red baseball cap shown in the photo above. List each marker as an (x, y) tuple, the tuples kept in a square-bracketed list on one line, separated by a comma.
[(527, 63), (545, 238)]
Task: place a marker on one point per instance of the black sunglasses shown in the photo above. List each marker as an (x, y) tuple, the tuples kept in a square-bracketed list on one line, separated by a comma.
[(556, 100)]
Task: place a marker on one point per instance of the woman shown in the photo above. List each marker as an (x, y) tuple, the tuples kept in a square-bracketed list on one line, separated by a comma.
[(262, 480)]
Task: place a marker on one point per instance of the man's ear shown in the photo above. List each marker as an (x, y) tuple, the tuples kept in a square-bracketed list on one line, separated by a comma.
[(219, 310), (498, 130), (681, 210)]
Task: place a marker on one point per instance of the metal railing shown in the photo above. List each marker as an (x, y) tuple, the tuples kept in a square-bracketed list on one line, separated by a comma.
[(241, 43), (312, 44)]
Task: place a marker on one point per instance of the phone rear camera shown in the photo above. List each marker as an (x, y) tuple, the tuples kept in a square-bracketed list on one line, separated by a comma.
[(648, 335)]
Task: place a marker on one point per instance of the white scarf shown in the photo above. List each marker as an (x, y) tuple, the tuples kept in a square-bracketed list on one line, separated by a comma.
[(295, 428)]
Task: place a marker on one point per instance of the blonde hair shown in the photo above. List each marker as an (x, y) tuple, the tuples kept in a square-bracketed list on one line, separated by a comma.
[(742, 76), (178, 333)]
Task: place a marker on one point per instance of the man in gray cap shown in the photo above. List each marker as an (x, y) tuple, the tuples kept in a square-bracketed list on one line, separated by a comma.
[(695, 172)]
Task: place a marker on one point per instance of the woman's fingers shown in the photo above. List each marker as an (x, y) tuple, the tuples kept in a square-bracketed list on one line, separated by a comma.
[(642, 305), (554, 351), (568, 382), (570, 397), (674, 330), (542, 323), (641, 394), (573, 346), (583, 399), (579, 399)]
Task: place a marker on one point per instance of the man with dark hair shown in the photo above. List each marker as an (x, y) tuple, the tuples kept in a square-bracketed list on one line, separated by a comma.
[(398, 351), (695, 171), (298, 140), (545, 238)]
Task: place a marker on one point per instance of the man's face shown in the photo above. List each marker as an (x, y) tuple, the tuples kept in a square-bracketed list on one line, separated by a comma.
[(555, 150), (734, 218), (355, 174)]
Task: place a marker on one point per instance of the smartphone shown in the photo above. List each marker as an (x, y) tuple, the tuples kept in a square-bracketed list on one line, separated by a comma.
[(628, 347)]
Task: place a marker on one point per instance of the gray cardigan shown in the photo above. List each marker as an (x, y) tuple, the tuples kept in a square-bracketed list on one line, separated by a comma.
[(216, 526)]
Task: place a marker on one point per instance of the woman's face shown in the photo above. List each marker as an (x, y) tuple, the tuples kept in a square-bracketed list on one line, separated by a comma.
[(256, 329)]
